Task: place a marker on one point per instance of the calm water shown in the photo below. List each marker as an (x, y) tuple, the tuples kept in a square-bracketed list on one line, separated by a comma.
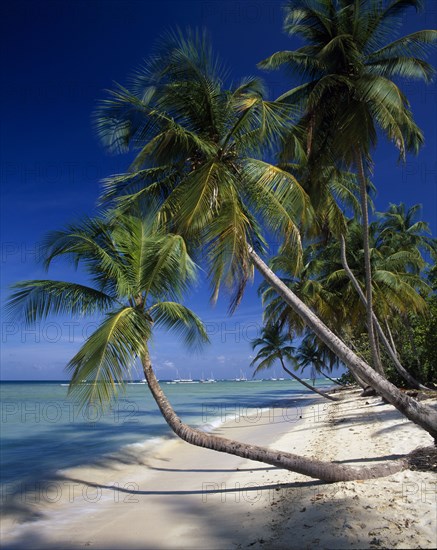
[(43, 430)]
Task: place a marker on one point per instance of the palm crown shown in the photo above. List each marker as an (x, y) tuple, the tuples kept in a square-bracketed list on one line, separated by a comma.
[(349, 69), (273, 345), (137, 276), (400, 227), (196, 165), (325, 287)]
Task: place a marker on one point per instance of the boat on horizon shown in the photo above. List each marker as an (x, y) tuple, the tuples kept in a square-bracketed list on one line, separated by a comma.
[(180, 380), (211, 380), (242, 377)]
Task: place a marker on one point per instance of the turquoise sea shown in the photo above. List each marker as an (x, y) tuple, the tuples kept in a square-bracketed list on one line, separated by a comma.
[(43, 430)]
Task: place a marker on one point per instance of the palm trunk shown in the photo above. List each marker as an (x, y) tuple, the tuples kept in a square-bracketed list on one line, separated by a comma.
[(391, 351), (418, 413), (332, 379), (368, 270), (411, 339), (358, 380), (390, 335), (326, 471), (312, 388)]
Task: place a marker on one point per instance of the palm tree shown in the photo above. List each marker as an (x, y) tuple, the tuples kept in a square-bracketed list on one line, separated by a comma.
[(137, 277), (197, 161), (275, 346), (324, 284), (338, 269), (400, 228), (349, 94), (399, 291), (196, 170), (396, 286), (311, 353)]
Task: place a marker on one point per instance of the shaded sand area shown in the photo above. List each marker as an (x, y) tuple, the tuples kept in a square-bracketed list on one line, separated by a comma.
[(179, 496)]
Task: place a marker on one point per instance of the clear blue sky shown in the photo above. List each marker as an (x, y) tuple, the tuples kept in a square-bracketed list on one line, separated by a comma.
[(57, 58)]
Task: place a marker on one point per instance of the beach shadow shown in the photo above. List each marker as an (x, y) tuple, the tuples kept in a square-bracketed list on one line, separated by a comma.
[(373, 459), (212, 491), (299, 515), (210, 470)]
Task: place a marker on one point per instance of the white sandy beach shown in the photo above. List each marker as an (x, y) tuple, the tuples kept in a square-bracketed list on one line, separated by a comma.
[(186, 497)]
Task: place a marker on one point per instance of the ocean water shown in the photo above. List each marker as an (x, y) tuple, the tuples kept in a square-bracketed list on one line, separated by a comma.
[(43, 430)]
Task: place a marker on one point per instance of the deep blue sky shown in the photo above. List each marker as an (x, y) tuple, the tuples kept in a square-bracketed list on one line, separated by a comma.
[(57, 58)]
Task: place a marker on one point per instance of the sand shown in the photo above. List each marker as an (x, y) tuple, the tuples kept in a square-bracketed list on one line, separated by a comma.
[(180, 496)]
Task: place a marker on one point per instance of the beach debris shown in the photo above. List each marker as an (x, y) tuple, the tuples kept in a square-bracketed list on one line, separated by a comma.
[(367, 392), (423, 459)]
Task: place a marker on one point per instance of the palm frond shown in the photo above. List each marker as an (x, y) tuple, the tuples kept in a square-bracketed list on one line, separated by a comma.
[(34, 300), (181, 321), (416, 44), (104, 362)]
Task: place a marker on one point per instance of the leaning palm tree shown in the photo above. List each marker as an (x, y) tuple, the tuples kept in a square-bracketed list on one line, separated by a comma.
[(274, 345), (197, 170), (350, 92), (395, 283), (313, 354), (138, 277), (332, 279)]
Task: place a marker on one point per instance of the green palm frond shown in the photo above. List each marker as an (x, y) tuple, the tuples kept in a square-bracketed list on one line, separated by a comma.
[(273, 346), (405, 67), (282, 201), (415, 45), (297, 95), (135, 269), (134, 182), (195, 170), (308, 20), (165, 267), (229, 235), (101, 366), (298, 61), (33, 300), (196, 200), (90, 243), (180, 320)]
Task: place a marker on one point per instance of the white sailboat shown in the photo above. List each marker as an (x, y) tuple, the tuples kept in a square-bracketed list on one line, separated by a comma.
[(188, 380), (175, 380), (180, 380), (204, 380), (242, 377)]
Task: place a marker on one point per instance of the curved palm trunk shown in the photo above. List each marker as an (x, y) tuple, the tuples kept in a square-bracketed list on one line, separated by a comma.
[(326, 471), (418, 413), (332, 379), (368, 270), (411, 339), (404, 373), (312, 388), (358, 380), (390, 335)]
